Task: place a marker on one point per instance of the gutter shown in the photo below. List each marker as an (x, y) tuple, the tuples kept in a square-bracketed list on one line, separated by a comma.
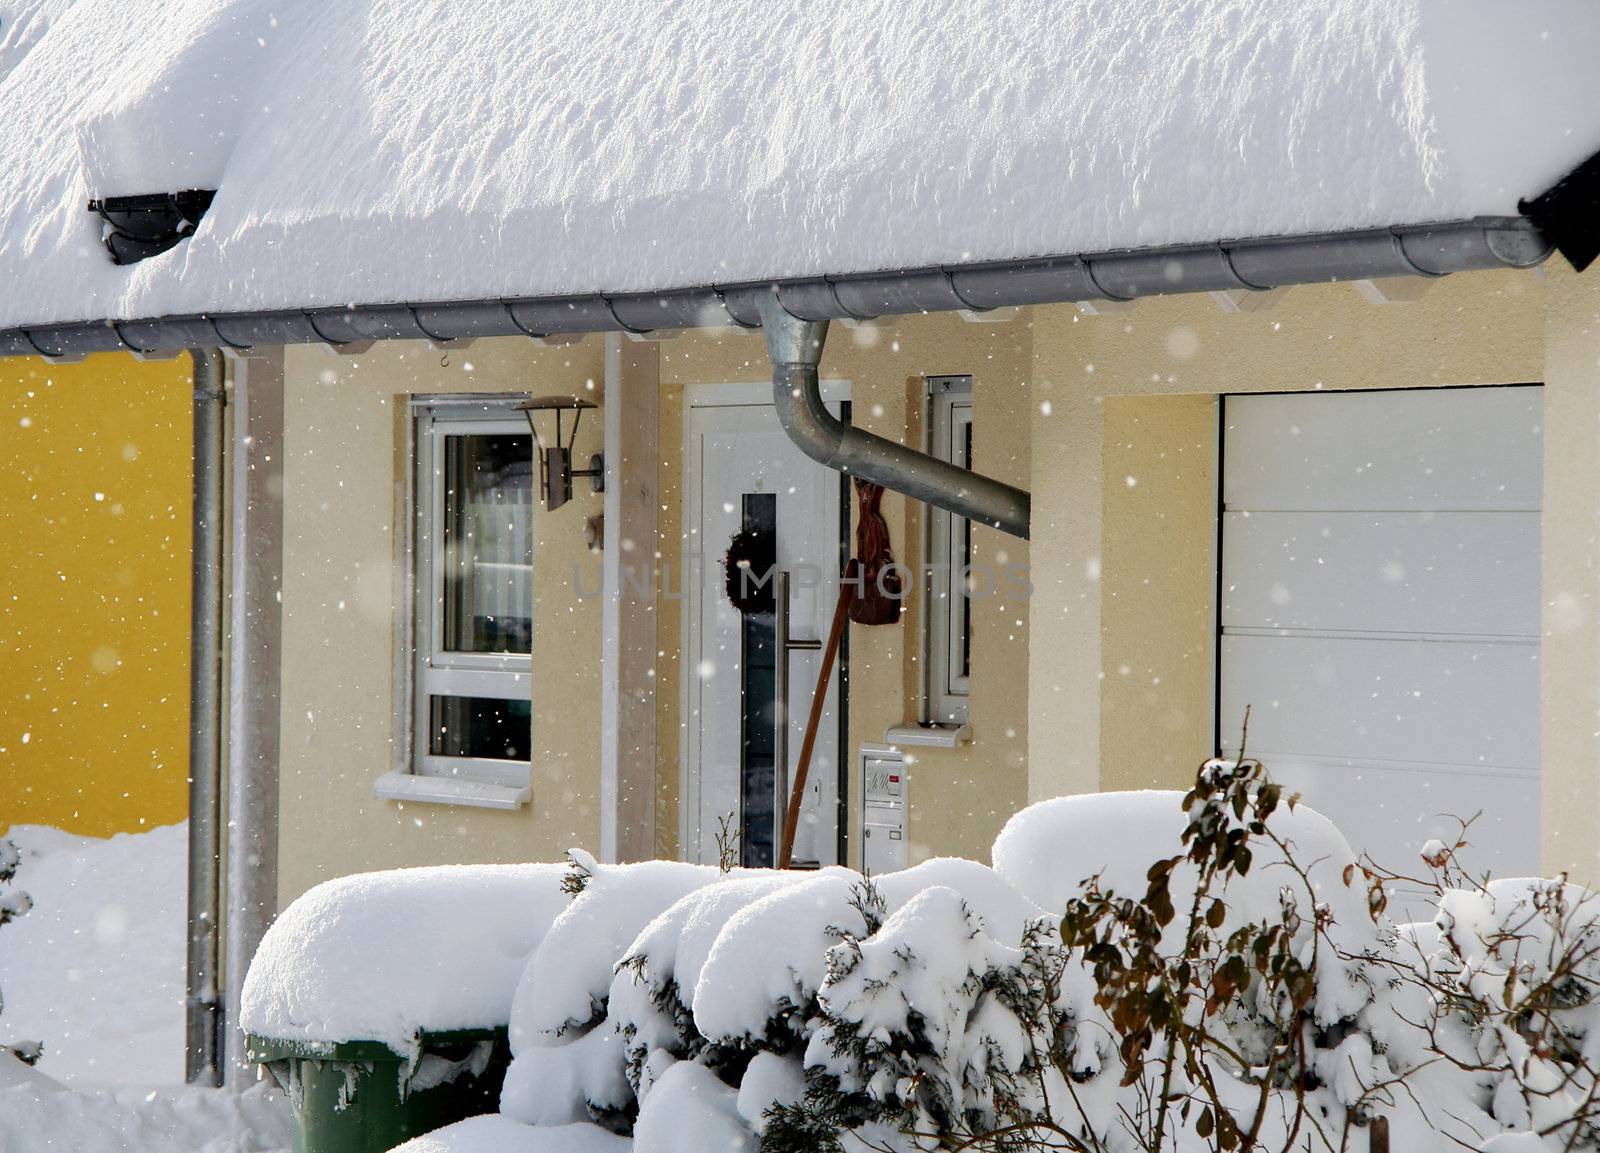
[(1429, 250), (795, 313), (795, 349)]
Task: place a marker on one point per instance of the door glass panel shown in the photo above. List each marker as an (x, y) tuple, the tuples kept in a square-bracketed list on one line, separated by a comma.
[(963, 532), (758, 672), (488, 544)]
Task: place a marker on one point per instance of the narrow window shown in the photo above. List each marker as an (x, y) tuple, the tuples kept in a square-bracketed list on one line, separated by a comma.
[(948, 619), (472, 626)]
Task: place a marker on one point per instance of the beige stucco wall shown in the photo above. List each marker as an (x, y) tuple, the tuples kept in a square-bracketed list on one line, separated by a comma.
[(669, 617), (1569, 653), (959, 798), (344, 474), (1124, 615), (1158, 603), (1103, 680)]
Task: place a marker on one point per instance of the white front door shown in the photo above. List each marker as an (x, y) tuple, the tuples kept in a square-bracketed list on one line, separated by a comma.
[(741, 470), (1380, 611)]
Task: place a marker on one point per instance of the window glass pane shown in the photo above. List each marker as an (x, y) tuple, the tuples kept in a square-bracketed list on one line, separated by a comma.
[(488, 543), (487, 727)]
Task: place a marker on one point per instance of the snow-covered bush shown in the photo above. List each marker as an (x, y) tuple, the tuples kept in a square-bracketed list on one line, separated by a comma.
[(568, 1059), (13, 903), (653, 992), (1499, 997), (924, 1024), (1195, 1014), (671, 999), (1140, 973)]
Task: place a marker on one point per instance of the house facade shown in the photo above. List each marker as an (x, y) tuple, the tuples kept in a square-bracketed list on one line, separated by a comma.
[(1423, 660), (1214, 361)]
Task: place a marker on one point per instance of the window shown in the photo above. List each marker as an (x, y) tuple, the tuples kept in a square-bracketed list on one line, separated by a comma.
[(469, 737), (948, 620)]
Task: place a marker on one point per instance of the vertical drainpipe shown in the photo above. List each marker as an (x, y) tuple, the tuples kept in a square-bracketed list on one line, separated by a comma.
[(255, 598), (795, 348), (203, 1016)]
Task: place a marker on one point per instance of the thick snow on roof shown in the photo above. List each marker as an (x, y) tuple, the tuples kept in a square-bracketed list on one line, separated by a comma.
[(376, 151)]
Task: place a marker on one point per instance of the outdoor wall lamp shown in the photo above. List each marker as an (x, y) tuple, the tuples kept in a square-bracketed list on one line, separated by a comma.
[(555, 461)]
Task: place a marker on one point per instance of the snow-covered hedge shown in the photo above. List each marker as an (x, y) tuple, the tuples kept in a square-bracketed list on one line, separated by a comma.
[(1142, 971)]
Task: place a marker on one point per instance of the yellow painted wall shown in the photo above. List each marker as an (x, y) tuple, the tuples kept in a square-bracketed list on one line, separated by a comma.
[(94, 596)]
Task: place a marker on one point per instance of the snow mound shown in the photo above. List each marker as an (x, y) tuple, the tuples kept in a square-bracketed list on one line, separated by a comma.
[(18, 1074), (383, 956), (567, 981), (496, 1134), (997, 902), (380, 151), (35, 1118), (652, 994), (698, 1009), (568, 1056), (562, 1084), (661, 966), (1050, 849), (95, 970), (692, 1111), (766, 964), (174, 126), (917, 985)]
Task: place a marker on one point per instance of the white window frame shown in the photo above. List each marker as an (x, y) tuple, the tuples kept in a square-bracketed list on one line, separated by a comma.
[(424, 668), (946, 690)]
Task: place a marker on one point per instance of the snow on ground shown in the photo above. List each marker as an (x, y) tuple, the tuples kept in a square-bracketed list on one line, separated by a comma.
[(496, 1134), (95, 969), (423, 150), (38, 1115)]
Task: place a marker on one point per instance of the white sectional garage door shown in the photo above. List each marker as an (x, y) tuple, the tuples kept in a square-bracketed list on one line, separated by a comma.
[(1380, 610)]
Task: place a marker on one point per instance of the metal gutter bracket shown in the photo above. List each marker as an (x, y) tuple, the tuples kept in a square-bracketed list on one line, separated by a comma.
[(795, 348)]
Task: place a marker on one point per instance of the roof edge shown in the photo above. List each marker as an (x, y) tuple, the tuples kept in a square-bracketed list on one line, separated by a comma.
[(1251, 264)]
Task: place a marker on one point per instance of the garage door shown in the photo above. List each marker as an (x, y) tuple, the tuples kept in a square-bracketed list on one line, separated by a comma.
[(1380, 610)]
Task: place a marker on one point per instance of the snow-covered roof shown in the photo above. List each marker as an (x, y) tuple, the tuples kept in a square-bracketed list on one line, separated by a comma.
[(428, 150)]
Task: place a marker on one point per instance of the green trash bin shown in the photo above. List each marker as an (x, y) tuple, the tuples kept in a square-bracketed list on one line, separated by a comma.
[(363, 1097)]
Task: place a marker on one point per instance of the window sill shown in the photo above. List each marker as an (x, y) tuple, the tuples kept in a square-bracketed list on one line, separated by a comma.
[(928, 736), (398, 785)]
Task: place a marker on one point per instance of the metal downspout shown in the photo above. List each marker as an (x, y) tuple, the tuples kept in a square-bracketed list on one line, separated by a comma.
[(203, 1015), (795, 348)]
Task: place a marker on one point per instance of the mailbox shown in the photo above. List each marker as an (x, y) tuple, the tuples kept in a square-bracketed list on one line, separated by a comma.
[(883, 809)]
